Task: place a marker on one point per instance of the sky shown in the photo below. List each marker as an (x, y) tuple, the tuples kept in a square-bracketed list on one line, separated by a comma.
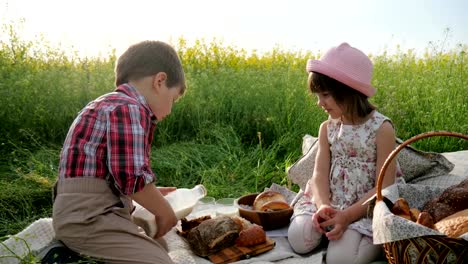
[(95, 27)]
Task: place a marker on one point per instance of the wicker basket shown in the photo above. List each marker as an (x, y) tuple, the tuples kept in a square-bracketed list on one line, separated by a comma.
[(428, 249)]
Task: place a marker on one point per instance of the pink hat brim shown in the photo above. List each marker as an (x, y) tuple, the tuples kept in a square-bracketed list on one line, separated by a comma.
[(324, 68)]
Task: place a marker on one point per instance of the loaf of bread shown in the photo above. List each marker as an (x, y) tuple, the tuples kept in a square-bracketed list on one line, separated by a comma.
[(454, 225), (188, 225), (207, 236), (452, 200), (270, 200), (213, 235)]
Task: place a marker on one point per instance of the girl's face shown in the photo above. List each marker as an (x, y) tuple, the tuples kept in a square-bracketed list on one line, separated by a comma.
[(328, 104)]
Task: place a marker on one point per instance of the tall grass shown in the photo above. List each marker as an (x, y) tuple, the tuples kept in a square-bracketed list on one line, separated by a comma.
[(236, 130), (423, 94)]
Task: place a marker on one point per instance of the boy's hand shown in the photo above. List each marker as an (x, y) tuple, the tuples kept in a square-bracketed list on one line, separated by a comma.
[(165, 221), (165, 190), (153, 200)]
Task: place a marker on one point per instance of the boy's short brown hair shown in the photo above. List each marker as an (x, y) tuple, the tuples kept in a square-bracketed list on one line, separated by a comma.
[(147, 58)]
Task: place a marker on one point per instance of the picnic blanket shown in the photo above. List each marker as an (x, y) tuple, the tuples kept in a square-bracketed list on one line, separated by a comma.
[(283, 253), (39, 235)]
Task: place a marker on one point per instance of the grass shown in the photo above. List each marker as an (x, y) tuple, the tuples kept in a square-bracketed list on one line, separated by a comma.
[(237, 129)]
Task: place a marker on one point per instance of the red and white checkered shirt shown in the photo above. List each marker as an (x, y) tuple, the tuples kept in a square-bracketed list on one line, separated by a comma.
[(111, 139)]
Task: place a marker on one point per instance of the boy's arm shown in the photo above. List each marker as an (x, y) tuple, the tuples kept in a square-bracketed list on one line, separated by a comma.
[(152, 199)]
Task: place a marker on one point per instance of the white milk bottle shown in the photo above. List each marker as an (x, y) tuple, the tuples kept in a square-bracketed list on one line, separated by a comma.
[(181, 200)]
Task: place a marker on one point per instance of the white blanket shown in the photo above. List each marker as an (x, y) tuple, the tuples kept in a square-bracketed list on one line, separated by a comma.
[(282, 253), (40, 234)]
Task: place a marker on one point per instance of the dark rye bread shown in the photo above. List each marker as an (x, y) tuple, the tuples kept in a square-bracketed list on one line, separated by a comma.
[(452, 200), (212, 235), (188, 225)]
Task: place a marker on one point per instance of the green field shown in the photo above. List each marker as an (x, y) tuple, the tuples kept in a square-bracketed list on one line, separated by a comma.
[(236, 130)]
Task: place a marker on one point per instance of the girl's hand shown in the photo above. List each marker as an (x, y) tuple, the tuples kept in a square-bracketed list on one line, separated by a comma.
[(339, 223), (323, 214), (165, 190)]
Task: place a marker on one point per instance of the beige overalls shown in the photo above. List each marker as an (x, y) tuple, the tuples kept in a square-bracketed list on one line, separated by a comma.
[(90, 219)]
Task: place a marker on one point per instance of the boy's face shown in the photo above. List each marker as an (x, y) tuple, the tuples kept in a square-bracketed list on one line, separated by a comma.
[(163, 99)]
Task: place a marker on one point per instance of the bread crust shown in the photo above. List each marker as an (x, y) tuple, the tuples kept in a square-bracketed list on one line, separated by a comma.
[(425, 219), (251, 236), (454, 225), (401, 208), (265, 197), (274, 206), (452, 200), (414, 214), (213, 235)]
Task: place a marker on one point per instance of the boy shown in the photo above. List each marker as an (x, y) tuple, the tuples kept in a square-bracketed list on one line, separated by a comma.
[(105, 162)]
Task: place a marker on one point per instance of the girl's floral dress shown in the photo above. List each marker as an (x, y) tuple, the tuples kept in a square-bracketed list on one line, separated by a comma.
[(353, 166)]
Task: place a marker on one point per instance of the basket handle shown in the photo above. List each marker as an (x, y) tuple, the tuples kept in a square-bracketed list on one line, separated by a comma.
[(404, 144)]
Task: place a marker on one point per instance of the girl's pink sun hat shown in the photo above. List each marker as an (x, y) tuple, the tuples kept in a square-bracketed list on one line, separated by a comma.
[(347, 65)]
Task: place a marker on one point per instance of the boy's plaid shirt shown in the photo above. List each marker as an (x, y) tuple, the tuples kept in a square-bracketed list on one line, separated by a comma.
[(111, 139)]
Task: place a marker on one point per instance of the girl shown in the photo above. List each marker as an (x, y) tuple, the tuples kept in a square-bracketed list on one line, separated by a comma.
[(352, 147)]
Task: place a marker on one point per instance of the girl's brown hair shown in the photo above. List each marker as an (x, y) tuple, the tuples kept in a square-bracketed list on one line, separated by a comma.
[(147, 58), (353, 103)]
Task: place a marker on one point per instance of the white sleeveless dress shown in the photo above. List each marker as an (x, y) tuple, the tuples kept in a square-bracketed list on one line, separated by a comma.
[(353, 166)]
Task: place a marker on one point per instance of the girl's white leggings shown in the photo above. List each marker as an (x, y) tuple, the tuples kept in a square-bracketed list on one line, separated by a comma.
[(353, 247)]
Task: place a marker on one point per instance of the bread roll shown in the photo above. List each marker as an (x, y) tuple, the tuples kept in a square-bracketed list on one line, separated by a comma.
[(401, 208), (414, 214), (454, 225), (265, 197), (274, 206), (251, 236), (405, 216), (425, 219)]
